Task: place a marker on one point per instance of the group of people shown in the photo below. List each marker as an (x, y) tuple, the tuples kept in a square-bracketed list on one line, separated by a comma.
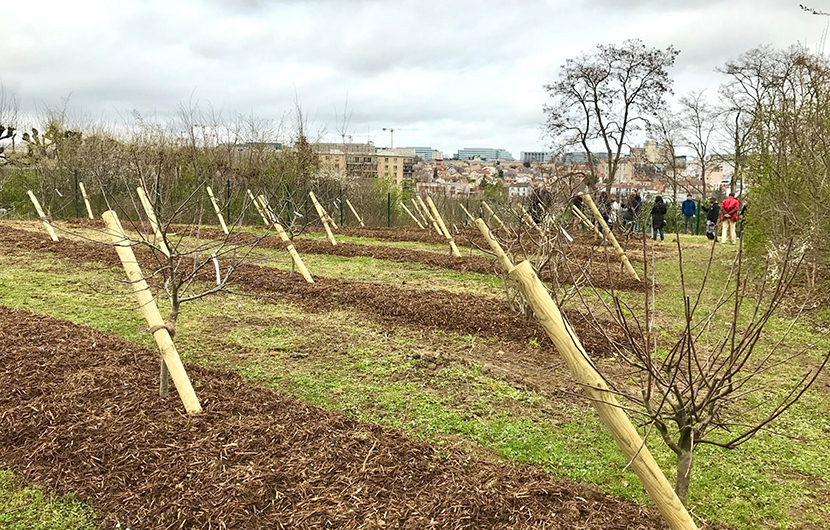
[(613, 212), (626, 215)]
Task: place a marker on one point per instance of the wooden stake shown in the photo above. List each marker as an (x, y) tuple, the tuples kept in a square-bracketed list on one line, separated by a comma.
[(46, 222), (605, 403), (469, 215), (269, 214), (530, 222), (494, 245), (419, 212), (582, 217), (298, 261), (355, 213), (412, 216), (154, 224), (321, 213), (431, 217), (86, 200), (258, 208), (492, 214), (446, 232), (217, 210), (607, 231), (151, 313)]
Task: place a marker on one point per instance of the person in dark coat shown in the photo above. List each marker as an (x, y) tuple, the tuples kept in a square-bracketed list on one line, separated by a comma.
[(712, 215), (689, 211), (658, 217)]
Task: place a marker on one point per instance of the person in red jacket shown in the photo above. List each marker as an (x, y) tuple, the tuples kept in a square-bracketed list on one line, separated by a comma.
[(729, 217)]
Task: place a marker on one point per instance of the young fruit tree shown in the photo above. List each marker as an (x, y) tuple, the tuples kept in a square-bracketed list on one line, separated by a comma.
[(705, 380)]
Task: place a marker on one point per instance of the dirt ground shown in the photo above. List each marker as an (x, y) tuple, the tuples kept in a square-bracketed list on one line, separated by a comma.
[(423, 309), (80, 414)]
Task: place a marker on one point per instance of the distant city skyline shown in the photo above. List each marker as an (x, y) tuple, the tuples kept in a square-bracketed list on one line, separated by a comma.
[(446, 75)]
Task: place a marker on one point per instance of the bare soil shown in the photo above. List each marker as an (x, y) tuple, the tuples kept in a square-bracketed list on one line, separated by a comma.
[(80, 414)]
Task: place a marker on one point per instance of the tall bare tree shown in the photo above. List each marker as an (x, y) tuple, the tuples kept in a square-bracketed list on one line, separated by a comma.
[(603, 96), (699, 119), (665, 129)]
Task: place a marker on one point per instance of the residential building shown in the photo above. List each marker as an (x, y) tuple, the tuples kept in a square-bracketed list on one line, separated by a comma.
[(518, 190), (483, 153), (361, 159), (396, 164)]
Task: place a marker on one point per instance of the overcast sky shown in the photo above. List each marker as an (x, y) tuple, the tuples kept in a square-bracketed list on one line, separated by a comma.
[(446, 74)]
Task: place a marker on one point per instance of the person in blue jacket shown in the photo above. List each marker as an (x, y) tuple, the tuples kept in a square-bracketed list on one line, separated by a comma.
[(689, 213)]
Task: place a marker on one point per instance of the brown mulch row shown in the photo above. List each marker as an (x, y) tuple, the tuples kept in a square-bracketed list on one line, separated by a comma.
[(599, 276), (461, 313), (80, 415)]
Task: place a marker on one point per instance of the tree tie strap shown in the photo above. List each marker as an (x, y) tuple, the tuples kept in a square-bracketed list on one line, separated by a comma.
[(170, 329)]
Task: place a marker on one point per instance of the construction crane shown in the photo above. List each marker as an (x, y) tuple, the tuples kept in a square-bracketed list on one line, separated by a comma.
[(392, 135)]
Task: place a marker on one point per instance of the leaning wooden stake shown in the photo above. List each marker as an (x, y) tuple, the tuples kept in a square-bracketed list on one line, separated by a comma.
[(86, 200), (412, 216), (321, 213), (492, 214), (582, 217), (258, 208), (151, 313), (605, 403), (217, 209), (46, 222), (419, 212), (295, 256), (587, 198), (494, 245), (469, 215), (154, 224), (430, 217), (530, 222), (446, 232), (359, 220)]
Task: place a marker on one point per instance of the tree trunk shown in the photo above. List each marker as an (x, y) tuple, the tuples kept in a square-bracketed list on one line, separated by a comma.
[(684, 474)]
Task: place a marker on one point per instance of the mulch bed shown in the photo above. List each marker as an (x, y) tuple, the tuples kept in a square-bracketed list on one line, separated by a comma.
[(461, 313), (597, 274), (80, 414)]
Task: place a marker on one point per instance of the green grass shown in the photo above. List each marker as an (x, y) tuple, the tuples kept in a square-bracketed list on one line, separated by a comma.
[(31, 508), (344, 361)]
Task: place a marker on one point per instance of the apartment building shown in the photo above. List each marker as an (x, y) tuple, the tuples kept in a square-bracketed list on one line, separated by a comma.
[(396, 164), (359, 160)]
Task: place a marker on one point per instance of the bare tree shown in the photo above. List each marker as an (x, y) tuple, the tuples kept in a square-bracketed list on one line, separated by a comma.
[(699, 119), (665, 129), (606, 95), (690, 385)]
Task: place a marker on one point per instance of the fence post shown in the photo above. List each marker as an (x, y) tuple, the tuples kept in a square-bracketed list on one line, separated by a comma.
[(228, 200), (697, 220), (77, 211), (388, 210)]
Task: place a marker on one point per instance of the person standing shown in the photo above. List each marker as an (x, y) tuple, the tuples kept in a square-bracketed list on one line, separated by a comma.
[(632, 214), (712, 214), (658, 217), (614, 214), (729, 217), (689, 210)]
